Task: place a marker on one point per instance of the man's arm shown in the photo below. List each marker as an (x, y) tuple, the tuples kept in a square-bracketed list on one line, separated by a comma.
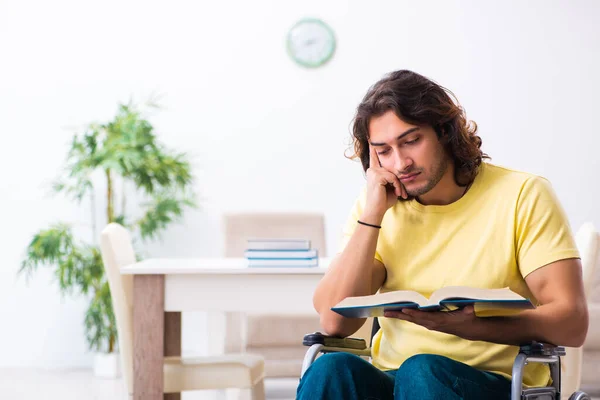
[(561, 319), (356, 272), (353, 273)]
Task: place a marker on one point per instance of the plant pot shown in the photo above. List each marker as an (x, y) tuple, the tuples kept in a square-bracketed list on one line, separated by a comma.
[(107, 365)]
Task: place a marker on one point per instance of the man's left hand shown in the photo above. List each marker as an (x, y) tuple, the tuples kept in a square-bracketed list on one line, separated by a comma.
[(460, 322)]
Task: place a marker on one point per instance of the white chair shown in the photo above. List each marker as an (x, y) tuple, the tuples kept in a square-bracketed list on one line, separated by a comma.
[(588, 243), (242, 371)]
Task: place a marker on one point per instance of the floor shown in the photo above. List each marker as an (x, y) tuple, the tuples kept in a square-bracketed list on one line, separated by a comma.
[(80, 384)]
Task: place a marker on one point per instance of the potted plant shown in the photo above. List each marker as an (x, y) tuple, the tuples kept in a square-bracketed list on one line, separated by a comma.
[(126, 154)]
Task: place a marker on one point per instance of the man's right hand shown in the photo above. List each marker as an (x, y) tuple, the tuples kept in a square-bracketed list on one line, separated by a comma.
[(383, 190)]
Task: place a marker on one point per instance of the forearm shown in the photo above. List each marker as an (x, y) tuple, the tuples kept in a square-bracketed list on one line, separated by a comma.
[(351, 274), (560, 324)]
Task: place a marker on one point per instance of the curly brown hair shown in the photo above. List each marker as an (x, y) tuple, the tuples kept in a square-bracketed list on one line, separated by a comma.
[(417, 100)]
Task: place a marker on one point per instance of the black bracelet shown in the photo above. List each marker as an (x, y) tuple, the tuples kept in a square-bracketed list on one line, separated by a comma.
[(371, 225)]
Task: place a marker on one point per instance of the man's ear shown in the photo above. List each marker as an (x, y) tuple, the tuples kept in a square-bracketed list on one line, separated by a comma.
[(442, 135)]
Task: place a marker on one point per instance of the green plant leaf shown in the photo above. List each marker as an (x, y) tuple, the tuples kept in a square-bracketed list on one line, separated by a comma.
[(47, 247), (162, 210), (100, 324), (124, 149)]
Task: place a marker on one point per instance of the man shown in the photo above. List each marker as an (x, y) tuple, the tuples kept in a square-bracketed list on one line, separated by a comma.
[(434, 215)]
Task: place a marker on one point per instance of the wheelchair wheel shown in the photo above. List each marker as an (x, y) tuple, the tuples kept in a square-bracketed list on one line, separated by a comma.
[(580, 396)]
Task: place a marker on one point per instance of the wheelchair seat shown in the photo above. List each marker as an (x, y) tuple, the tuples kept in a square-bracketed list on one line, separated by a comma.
[(533, 352)]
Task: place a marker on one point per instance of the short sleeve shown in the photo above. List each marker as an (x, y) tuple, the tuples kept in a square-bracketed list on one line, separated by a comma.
[(543, 234), (351, 223)]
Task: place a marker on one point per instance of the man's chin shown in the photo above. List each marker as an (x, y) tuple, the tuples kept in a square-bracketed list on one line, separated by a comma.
[(416, 192)]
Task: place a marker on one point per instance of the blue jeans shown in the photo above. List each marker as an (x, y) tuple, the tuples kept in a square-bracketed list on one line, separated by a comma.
[(345, 376)]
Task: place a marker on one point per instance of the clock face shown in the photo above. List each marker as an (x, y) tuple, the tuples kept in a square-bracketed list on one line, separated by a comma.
[(311, 43)]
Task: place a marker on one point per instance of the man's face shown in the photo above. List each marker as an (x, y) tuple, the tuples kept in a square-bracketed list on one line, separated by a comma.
[(413, 153)]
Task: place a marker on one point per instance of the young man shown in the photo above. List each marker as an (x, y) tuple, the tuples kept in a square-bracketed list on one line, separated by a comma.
[(434, 215)]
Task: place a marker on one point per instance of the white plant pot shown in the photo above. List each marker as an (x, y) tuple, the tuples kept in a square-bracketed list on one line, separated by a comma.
[(107, 365)]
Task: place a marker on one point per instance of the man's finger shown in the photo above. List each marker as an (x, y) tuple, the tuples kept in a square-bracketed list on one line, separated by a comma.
[(396, 314), (395, 182), (404, 192), (373, 158), (468, 310)]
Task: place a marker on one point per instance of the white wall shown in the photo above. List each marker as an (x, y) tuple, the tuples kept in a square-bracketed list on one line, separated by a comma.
[(264, 133)]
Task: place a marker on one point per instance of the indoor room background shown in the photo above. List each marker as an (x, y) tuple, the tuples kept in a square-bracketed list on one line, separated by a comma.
[(263, 133)]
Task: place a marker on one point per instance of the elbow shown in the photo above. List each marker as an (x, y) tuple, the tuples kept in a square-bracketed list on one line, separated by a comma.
[(336, 326), (328, 324), (579, 326), (332, 330), (331, 326), (575, 341), (584, 323)]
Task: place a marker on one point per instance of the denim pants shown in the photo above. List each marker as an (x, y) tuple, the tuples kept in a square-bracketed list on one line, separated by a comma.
[(345, 376)]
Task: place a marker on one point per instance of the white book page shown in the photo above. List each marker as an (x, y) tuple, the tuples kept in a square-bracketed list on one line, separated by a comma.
[(473, 293), (399, 296)]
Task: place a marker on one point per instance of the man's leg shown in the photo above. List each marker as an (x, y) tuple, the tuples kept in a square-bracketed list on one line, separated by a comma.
[(428, 376), (345, 376)]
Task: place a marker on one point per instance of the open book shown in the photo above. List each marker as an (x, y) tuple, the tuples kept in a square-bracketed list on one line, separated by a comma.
[(487, 302)]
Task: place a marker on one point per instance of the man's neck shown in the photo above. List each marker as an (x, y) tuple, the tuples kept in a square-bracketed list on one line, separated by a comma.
[(445, 192)]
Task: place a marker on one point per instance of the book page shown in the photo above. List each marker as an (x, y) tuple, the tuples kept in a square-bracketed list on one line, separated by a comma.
[(466, 292), (398, 296)]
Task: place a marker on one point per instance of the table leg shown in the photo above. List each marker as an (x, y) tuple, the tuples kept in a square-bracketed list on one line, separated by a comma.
[(172, 343), (148, 336)]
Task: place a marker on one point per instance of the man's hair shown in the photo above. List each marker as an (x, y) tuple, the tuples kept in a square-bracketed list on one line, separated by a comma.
[(420, 101)]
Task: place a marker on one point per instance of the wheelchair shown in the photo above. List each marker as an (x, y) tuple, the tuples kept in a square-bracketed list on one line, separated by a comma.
[(534, 352)]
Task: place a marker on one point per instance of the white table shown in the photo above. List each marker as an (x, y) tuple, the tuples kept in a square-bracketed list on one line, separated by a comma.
[(163, 288)]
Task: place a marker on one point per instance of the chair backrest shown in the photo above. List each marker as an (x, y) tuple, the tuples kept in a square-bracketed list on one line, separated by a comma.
[(117, 252), (245, 331), (588, 243), (241, 227)]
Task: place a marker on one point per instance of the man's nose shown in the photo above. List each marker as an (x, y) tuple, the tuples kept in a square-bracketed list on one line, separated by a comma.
[(402, 163)]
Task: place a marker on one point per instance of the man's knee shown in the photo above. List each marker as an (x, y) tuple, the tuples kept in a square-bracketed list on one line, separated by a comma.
[(344, 376), (330, 376), (331, 365)]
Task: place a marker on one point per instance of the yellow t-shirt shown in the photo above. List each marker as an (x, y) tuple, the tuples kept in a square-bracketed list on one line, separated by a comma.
[(506, 226)]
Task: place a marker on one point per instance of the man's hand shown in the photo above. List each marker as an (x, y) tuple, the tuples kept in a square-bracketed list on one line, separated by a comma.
[(462, 323), (561, 318), (383, 189)]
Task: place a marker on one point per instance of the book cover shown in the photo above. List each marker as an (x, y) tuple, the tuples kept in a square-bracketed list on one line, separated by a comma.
[(487, 302), (309, 262), (278, 244), (280, 254)]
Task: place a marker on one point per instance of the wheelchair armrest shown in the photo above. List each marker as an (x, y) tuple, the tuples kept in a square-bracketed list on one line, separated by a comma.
[(539, 349), (320, 343), (332, 341)]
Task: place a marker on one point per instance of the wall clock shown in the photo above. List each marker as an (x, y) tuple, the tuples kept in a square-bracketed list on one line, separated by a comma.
[(311, 42)]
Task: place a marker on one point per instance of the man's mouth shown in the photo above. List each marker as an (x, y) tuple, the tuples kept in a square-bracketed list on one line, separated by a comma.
[(409, 177)]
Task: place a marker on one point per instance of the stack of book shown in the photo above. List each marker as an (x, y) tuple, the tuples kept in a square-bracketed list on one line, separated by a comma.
[(281, 253)]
